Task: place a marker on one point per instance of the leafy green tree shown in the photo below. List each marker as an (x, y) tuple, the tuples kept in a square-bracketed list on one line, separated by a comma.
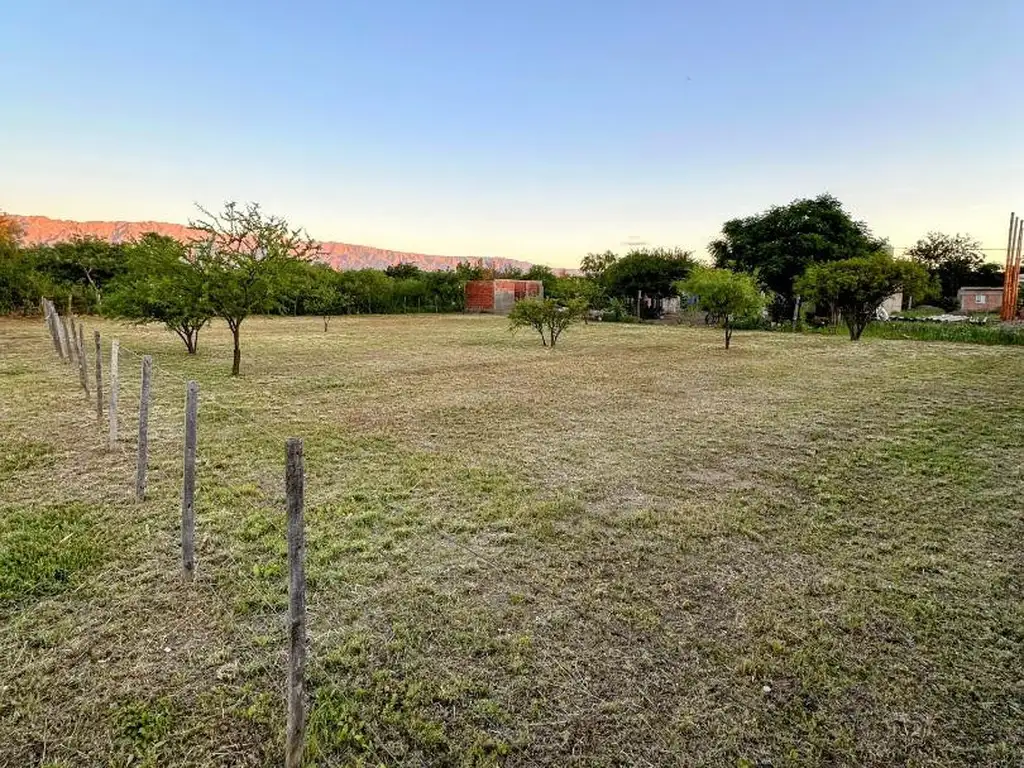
[(84, 264), (594, 265), (161, 285), (247, 260), (857, 287), (779, 244), (726, 296), (446, 290), (546, 316), (323, 293), (953, 261), (471, 271), (18, 279), (403, 271), (648, 271), (575, 287), (544, 274)]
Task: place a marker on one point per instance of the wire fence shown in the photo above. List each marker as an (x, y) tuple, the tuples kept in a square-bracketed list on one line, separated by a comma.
[(242, 572)]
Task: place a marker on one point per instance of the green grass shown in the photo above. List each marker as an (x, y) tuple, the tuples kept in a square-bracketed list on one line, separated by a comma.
[(637, 549), (923, 310), (44, 550), (961, 333)]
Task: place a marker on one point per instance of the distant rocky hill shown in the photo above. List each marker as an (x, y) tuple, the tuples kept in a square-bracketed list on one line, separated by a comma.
[(40, 229)]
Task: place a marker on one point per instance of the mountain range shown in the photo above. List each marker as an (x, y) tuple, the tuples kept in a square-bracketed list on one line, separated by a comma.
[(43, 230)]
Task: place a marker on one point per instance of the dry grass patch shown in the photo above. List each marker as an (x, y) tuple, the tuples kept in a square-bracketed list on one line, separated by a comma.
[(637, 549)]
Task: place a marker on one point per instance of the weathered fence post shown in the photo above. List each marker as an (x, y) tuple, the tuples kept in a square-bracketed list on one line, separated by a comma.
[(115, 348), (143, 457), (51, 324), (188, 493), (295, 489), (59, 326), (99, 376), (74, 332), (69, 345), (82, 359)]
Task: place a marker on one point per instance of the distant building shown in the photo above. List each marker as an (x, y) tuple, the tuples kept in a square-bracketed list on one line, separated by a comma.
[(980, 299), (893, 304), (497, 296)]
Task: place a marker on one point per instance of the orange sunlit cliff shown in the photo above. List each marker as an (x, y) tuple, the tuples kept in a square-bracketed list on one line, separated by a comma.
[(40, 229)]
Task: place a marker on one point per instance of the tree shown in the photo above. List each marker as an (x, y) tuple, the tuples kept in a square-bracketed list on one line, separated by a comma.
[(594, 265), (246, 257), (403, 271), (81, 266), (324, 294), (18, 280), (651, 272), (856, 287), (510, 272), (161, 285), (953, 261), (546, 316), (779, 244), (575, 287), (725, 295), (542, 273)]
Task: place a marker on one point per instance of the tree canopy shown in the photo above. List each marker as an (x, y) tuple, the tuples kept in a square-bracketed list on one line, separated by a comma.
[(953, 261), (779, 244), (161, 285), (725, 295), (594, 265), (247, 258), (548, 317), (651, 272), (856, 287)]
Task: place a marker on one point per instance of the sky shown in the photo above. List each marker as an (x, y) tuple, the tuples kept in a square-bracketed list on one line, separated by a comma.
[(531, 129)]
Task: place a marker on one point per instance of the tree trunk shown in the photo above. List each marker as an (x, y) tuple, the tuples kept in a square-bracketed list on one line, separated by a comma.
[(857, 324), (728, 334), (236, 362), (325, 323)]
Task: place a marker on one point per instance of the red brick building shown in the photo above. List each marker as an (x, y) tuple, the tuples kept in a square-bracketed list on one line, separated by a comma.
[(498, 296), (980, 299)]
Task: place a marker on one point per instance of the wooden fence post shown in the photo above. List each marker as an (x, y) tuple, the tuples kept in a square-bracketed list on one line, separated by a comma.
[(99, 376), (188, 511), (69, 345), (60, 332), (143, 457), (295, 489), (115, 348), (74, 336), (51, 324), (82, 359)]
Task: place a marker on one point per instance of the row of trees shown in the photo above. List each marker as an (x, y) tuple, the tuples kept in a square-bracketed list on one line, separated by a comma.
[(848, 288), (243, 262), (780, 244)]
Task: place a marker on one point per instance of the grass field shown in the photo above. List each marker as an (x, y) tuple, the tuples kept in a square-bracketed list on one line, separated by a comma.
[(638, 549)]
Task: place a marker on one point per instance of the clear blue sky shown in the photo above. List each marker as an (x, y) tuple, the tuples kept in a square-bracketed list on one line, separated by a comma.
[(537, 129)]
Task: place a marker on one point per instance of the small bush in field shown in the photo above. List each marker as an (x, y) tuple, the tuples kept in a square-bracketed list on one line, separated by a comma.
[(547, 316)]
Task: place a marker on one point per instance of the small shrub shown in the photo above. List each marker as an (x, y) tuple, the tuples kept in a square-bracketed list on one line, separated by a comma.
[(727, 297), (547, 316)]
